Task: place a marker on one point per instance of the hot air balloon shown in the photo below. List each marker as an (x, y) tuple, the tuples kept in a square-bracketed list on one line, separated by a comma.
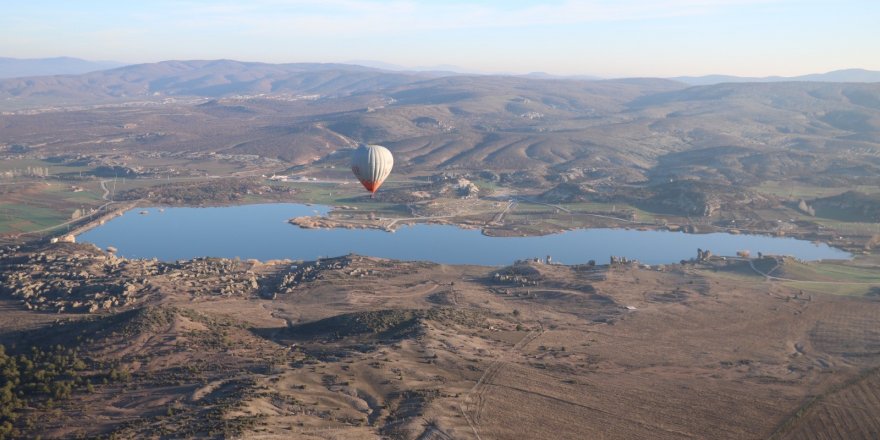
[(371, 164)]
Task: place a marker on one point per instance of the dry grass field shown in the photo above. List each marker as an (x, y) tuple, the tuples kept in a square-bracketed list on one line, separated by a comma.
[(371, 348)]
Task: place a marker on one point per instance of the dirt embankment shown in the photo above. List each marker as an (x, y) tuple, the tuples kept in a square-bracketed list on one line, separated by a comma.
[(114, 211)]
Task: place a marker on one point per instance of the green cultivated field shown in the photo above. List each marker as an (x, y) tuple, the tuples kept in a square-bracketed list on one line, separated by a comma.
[(34, 206), (54, 168), (830, 277), (833, 289), (334, 194), (22, 218), (831, 272), (805, 191)]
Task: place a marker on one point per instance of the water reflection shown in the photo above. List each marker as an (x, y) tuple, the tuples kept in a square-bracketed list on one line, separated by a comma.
[(262, 232)]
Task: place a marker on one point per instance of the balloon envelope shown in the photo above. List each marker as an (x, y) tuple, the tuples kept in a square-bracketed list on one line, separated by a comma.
[(371, 164)]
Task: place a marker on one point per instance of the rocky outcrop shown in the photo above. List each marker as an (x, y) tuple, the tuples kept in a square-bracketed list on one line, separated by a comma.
[(75, 278)]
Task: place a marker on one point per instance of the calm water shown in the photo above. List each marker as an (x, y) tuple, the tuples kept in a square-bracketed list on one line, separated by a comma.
[(262, 232)]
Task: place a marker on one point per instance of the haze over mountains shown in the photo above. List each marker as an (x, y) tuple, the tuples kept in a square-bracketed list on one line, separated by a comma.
[(199, 78), (17, 67), (218, 78), (845, 75), (20, 68)]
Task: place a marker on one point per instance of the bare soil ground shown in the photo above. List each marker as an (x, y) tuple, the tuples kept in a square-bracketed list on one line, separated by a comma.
[(371, 348)]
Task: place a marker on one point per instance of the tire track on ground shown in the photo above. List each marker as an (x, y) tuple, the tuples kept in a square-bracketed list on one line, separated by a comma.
[(476, 395)]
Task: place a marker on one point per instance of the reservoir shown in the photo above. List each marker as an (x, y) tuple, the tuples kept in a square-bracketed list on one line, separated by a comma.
[(262, 232)]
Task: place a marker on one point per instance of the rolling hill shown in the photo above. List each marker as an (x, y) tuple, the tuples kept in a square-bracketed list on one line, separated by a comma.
[(599, 132), (215, 78)]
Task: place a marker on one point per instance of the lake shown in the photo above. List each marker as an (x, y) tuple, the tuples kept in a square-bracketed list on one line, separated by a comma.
[(262, 232)]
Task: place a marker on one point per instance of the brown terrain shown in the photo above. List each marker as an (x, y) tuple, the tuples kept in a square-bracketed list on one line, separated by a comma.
[(748, 347), (358, 347)]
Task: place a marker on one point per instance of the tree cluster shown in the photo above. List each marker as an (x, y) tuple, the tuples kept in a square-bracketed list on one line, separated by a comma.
[(35, 379)]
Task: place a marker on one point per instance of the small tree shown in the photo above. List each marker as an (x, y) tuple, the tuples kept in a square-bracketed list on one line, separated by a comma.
[(805, 208)]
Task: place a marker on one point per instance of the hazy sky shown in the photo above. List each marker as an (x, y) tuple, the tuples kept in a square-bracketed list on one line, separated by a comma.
[(599, 37)]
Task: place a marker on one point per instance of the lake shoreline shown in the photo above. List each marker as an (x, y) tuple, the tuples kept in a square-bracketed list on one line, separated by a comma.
[(262, 232), (497, 230)]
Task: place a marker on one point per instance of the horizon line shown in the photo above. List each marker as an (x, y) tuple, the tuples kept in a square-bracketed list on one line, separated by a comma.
[(442, 68)]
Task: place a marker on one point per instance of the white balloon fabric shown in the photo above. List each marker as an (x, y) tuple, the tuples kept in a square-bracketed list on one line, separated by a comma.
[(371, 164)]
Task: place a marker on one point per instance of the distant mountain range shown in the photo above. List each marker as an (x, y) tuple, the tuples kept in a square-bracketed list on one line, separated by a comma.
[(205, 78), (445, 68), (846, 75), (17, 67), (625, 130), (224, 78)]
